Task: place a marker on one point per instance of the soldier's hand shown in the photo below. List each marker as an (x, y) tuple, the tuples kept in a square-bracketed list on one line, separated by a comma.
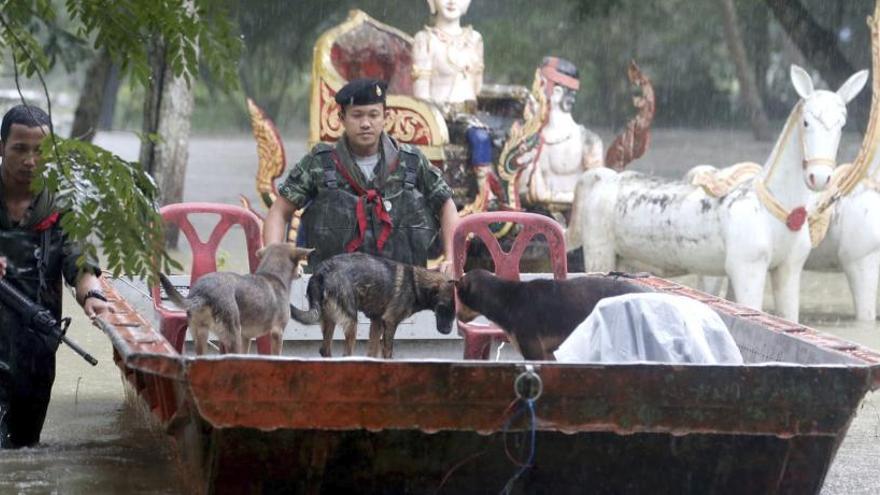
[(95, 307), (2, 266)]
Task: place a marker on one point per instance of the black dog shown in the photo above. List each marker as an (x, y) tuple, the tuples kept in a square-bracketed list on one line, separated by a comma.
[(537, 315), (386, 291)]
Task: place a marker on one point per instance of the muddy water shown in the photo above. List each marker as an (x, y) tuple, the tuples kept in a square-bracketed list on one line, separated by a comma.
[(94, 443), (826, 306)]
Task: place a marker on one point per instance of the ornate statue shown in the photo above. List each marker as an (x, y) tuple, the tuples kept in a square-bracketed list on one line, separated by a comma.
[(547, 152), (565, 148), (448, 57), (448, 71)]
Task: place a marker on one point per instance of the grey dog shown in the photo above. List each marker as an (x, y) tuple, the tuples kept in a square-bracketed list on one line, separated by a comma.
[(237, 307), (386, 291)]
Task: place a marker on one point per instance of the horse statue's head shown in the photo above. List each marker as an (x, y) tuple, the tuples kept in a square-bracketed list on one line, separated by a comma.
[(823, 114)]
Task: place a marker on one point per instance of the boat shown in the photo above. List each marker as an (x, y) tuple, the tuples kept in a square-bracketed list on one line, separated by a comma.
[(299, 423)]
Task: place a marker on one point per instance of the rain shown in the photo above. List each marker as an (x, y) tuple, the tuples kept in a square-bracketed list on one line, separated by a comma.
[(720, 74)]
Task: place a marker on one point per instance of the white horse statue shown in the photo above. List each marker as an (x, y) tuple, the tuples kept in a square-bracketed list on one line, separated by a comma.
[(852, 244), (852, 241), (676, 228)]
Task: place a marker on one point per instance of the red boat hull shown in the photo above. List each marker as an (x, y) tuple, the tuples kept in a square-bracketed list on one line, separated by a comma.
[(258, 424)]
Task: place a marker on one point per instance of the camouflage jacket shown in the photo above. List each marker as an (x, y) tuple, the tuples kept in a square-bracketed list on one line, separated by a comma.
[(400, 206), (38, 255), (307, 177)]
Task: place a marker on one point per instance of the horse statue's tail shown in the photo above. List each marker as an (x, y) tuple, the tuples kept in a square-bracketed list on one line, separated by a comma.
[(633, 141)]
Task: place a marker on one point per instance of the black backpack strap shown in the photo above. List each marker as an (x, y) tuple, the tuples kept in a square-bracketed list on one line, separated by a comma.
[(411, 172), (42, 255), (329, 167)]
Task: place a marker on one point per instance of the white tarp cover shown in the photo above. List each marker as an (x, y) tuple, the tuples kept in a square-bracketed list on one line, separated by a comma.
[(651, 327)]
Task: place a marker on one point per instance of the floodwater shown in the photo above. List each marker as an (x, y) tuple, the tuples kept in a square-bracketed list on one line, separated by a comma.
[(95, 443)]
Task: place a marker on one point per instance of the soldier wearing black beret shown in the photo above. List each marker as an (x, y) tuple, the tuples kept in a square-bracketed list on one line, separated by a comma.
[(366, 192)]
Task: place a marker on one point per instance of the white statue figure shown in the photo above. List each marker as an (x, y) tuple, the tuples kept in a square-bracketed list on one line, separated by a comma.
[(565, 148), (448, 71), (448, 57), (852, 241)]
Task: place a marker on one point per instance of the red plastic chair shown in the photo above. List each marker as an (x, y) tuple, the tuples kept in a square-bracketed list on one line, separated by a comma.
[(172, 321), (478, 337)]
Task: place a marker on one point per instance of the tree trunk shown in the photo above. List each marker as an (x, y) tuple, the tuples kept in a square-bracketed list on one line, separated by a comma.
[(756, 35), (605, 111), (818, 45), (167, 109), (111, 92), (748, 87), (91, 99)]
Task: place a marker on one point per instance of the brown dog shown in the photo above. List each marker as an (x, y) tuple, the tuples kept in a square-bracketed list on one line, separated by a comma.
[(386, 291), (537, 315), (237, 307)]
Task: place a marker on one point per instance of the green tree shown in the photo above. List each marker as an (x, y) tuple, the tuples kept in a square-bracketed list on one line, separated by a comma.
[(99, 191)]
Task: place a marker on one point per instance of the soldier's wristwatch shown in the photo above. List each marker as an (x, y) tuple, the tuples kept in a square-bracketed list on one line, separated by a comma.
[(96, 293)]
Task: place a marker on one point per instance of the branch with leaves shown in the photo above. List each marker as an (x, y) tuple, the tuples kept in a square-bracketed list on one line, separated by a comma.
[(98, 192), (195, 33)]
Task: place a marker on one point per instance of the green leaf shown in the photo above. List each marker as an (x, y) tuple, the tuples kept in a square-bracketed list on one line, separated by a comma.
[(101, 193)]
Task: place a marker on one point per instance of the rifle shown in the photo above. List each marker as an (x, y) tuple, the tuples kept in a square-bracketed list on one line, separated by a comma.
[(40, 319)]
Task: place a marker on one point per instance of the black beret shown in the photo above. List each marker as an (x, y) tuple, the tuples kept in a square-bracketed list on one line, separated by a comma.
[(362, 92)]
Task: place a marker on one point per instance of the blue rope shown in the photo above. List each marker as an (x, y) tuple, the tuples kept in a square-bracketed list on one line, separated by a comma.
[(530, 405)]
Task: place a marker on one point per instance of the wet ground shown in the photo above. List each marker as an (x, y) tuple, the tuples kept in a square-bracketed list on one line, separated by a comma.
[(94, 443)]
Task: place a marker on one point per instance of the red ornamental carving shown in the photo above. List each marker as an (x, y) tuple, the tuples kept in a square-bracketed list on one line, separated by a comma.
[(330, 125), (407, 126), (633, 141), (368, 51)]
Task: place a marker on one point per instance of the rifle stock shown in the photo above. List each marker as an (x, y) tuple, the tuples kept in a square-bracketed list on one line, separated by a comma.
[(39, 318)]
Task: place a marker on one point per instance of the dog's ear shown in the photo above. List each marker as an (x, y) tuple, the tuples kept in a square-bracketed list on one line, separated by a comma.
[(301, 251), (300, 254)]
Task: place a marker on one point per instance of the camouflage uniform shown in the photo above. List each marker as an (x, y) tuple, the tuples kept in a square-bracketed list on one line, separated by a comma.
[(395, 215), (38, 254)]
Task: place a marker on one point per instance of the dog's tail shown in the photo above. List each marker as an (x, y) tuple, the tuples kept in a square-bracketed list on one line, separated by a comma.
[(315, 293), (175, 296)]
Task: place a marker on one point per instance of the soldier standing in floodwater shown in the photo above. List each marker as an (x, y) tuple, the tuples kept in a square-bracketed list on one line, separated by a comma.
[(34, 254)]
